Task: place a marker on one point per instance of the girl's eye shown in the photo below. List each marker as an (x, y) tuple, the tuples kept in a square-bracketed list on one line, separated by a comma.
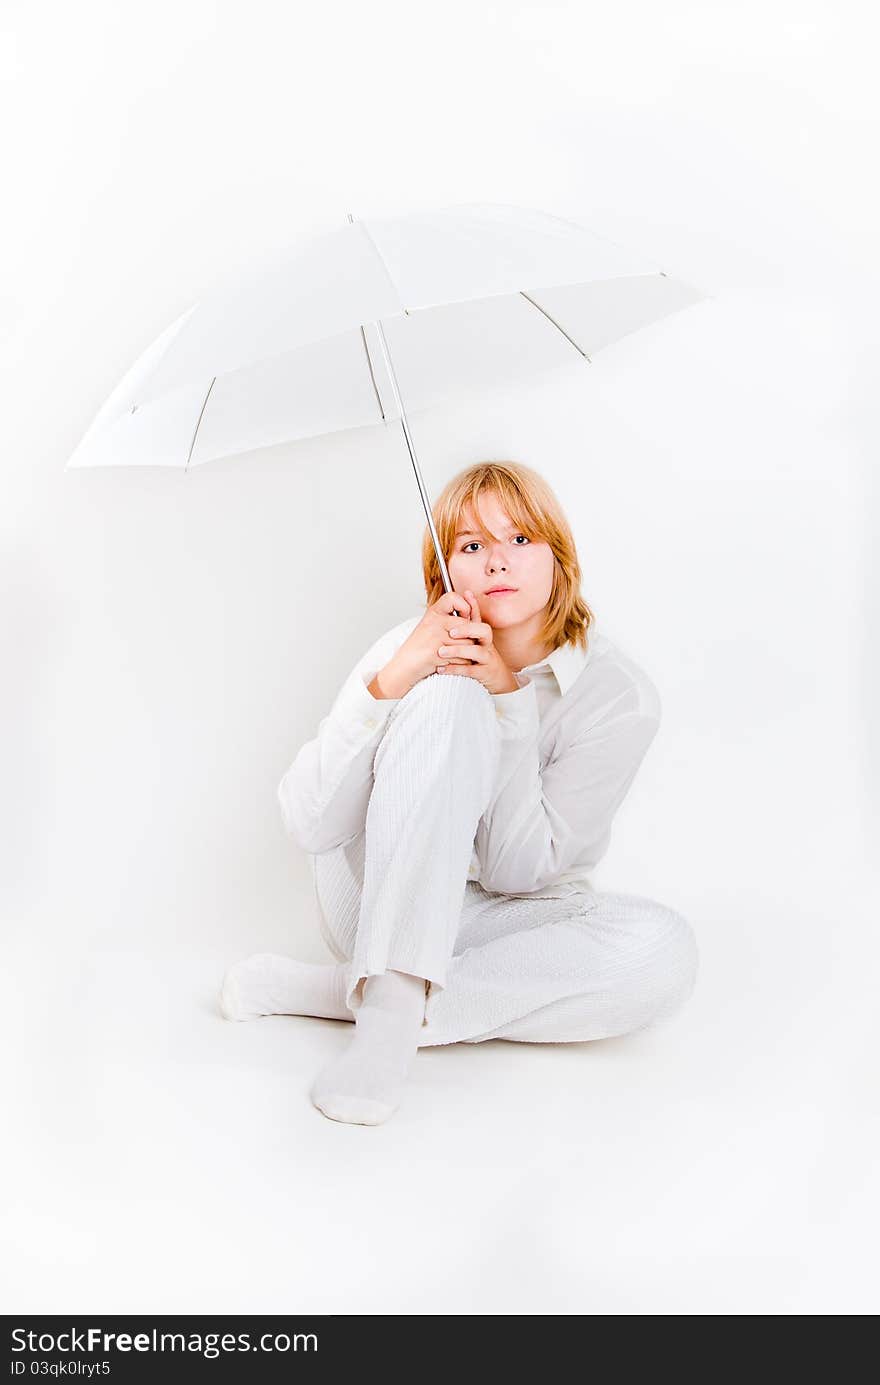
[(474, 541)]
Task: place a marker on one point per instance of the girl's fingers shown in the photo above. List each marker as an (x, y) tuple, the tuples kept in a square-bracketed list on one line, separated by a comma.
[(452, 651), (470, 630)]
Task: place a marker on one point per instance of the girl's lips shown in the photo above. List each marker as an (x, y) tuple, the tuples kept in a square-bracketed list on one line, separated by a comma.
[(505, 591)]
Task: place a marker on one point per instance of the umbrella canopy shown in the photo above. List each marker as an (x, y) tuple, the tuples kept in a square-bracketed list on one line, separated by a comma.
[(342, 330)]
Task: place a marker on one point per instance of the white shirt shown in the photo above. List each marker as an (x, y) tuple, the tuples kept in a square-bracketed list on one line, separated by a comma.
[(572, 738)]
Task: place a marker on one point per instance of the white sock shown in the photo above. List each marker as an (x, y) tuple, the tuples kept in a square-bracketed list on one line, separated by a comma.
[(269, 984), (365, 1083)]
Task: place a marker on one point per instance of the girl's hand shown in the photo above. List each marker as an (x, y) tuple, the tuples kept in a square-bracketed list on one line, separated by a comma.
[(473, 640), (417, 657)]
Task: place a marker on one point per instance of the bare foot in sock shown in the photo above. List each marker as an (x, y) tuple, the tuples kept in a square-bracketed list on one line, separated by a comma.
[(270, 984), (364, 1085)]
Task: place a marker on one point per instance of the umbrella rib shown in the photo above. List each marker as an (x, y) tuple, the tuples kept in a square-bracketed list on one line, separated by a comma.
[(555, 324), (198, 424), (381, 259), (372, 376)]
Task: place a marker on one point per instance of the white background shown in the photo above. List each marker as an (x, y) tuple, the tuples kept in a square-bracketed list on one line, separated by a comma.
[(170, 640)]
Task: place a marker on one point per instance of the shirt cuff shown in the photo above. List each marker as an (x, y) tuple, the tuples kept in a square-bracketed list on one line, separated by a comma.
[(517, 712), (361, 708)]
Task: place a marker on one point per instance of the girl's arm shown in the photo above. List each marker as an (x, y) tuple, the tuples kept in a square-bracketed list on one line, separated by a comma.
[(325, 793), (539, 824)]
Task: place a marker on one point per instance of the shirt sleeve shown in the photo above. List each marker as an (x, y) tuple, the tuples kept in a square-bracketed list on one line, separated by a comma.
[(539, 824), (325, 793)]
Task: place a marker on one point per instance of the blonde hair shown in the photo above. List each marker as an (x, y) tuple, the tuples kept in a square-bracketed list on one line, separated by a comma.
[(533, 507)]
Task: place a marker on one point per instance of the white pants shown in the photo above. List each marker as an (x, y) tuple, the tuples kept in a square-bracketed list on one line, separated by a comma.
[(589, 966)]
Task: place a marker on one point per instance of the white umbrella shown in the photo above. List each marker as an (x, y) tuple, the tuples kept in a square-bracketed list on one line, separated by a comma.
[(338, 332)]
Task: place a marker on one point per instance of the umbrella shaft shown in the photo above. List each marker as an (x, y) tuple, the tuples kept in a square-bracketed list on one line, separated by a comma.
[(444, 571)]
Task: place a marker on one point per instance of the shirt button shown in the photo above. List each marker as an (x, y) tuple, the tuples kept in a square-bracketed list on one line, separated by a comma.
[(499, 714), (371, 723)]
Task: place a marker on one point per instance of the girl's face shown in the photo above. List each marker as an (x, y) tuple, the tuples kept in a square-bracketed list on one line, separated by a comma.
[(512, 561)]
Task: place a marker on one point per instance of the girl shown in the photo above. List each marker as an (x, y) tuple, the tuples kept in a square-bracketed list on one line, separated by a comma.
[(453, 803)]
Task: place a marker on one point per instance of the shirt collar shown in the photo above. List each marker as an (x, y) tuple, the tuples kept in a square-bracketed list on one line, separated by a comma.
[(565, 662)]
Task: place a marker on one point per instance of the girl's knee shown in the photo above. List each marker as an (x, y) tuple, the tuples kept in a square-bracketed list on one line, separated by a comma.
[(454, 691), (455, 681), (659, 936), (673, 935), (665, 960), (446, 715), (686, 954)]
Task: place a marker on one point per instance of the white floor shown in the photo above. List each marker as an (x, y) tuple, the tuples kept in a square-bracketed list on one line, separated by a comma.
[(161, 1159)]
